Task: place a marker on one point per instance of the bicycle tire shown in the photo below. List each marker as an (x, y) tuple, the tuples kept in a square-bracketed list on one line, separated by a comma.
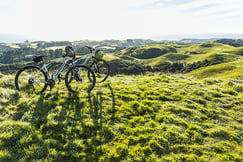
[(23, 81), (78, 77), (101, 69)]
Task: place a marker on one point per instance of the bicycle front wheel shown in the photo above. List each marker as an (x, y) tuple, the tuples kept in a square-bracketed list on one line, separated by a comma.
[(101, 70), (78, 79), (31, 79)]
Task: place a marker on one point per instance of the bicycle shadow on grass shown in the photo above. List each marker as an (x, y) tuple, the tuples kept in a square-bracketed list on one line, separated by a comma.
[(72, 125), (84, 120), (108, 96)]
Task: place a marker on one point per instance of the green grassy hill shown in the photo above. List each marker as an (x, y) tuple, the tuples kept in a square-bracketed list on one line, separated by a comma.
[(194, 114), (107, 45), (184, 53), (225, 70), (152, 117), (194, 59), (175, 58)]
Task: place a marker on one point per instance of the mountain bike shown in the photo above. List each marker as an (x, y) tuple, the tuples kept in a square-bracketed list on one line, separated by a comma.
[(93, 60), (35, 79)]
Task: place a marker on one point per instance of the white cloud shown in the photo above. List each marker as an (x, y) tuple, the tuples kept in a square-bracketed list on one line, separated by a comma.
[(223, 8), (199, 16)]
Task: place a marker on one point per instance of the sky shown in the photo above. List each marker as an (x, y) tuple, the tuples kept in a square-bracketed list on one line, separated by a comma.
[(53, 20)]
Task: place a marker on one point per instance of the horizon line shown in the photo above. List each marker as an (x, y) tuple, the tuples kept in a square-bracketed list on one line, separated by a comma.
[(18, 38)]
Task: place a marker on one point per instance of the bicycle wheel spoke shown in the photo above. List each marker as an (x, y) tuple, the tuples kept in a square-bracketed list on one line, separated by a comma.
[(77, 79), (101, 70), (30, 79)]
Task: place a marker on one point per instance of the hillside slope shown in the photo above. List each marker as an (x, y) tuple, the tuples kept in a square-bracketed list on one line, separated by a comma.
[(160, 57), (174, 58), (231, 70), (151, 117)]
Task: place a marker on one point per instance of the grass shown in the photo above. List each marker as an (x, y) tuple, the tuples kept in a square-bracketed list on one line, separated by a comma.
[(152, 117), (195, 116), (55, 47), (169, 57), (13, 45), (224, 71), (163, 55)]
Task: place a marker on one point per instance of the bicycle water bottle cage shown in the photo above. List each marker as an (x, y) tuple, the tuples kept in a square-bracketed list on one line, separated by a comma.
[(38, 58)]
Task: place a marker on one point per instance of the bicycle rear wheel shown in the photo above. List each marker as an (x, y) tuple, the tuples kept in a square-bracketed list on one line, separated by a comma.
[(101, 70), (78, 79), (31, 79)]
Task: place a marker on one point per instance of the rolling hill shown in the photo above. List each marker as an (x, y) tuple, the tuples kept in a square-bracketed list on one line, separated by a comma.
[(153, 117), (178, 102), (124, 59), (175, 58)]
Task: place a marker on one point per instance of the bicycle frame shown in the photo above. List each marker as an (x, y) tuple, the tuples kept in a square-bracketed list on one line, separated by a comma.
[(45, 67), (86, 58)]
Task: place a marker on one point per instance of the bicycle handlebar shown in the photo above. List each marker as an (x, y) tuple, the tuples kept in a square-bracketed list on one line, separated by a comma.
[(90, 48)]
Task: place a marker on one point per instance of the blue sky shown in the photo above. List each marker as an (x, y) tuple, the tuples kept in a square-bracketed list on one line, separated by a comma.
[(118, 19)]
